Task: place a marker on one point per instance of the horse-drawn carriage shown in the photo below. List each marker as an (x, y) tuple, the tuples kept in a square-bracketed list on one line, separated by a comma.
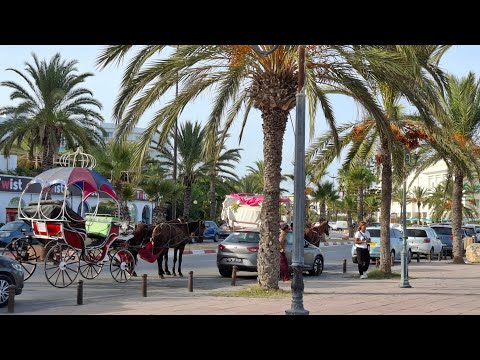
[(72, 243)]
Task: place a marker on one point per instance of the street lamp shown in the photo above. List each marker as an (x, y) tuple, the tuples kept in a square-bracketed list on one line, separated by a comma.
[(404, 276), (299, 193)]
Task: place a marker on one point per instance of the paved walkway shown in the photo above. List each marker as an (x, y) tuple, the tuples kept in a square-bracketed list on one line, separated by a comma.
[(438, 288)]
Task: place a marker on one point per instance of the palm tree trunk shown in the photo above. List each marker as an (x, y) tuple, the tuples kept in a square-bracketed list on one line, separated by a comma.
[(350, 222), (47, 155), (360, 204), (213, 197), (418, 212), (159, 214), (323, 211), (457, 218), (385, 208), (187, 198), (268, 263)]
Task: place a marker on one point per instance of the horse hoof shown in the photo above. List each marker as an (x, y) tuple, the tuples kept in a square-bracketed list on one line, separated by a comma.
[(174, 274), (168, 273), (180, 274), (161, 277)]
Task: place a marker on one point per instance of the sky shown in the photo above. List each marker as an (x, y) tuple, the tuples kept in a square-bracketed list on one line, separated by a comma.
[(105, 84)]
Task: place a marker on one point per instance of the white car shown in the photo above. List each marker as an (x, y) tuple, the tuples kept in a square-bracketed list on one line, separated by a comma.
[(396, 244), (423, 240)]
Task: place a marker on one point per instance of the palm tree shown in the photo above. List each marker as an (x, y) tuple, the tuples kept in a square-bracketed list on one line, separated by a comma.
[(221, 169), (113, 162), (324, 193), (438, 202), (258, 173), (397, 196), (160, 191), (51, 108), (418, 195), (248, 184), (191, 162), (456, 143), (371, 204), (359, 177), (348, 204), (240, 75)]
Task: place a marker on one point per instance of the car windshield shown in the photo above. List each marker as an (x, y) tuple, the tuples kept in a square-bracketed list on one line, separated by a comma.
[(469, 231), (374, 232), (11, 226), (416, 233), (443, 230), (243, 237)]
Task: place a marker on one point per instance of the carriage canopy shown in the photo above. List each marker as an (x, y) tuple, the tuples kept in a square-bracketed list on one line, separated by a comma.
[(87, 180)]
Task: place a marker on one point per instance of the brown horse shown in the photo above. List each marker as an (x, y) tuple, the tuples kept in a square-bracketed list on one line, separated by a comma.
[(313, 235), (152, 242)]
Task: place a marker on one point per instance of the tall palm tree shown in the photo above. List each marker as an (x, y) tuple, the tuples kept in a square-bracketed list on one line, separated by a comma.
[(248, 184), (418, 195), (53, 107), (240, 75), (359, 177), (258, 174), (438, 202), (191, 162), (221, 168), (397, 196), (371, 204), (456, 143), (325, 192)]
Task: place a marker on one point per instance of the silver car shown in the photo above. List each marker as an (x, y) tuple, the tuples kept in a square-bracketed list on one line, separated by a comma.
[(423, 240), (241, 247), (396, 244)]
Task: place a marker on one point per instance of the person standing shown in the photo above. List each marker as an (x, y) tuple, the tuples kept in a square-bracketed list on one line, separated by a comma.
[(284, 274), (362, 238)]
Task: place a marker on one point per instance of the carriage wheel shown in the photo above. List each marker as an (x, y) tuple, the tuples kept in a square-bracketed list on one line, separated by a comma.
[(122, 265), (92, 264), (22, 251), (61, 265)]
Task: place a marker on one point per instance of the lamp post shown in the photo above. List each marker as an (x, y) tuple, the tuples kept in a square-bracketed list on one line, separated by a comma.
[(404, 276), (175, 151), (299, 193)]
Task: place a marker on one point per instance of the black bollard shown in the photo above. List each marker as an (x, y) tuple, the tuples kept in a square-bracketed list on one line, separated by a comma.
[(440, 256), (190, 281), (144, 285), (444, 255), (80, 292), (234, 275), (344, 266), (377, 263), (11, 298), (418, 257)]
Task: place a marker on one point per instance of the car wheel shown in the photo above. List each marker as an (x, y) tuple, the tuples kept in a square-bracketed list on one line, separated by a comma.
[(317, 267), (5, 282), (216, 238), (225, 272), (354, 259)]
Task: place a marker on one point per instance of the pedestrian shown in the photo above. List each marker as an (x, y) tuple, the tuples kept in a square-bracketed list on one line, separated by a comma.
[(362, 238), (284, 273)]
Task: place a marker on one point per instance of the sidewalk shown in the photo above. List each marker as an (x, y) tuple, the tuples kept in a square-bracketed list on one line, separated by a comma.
[(438, 288)]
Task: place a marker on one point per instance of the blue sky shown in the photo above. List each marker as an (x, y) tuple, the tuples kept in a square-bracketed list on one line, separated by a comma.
[(459, 60)]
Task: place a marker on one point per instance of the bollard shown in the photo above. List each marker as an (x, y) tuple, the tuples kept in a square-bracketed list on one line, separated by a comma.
[(444, 254), (144, 285), (440, 256), (11, 298), (190, 281), (234, 275), (80, 292), (418, 257), (429, 256), (344, 266), (392, 260), (377, 263)]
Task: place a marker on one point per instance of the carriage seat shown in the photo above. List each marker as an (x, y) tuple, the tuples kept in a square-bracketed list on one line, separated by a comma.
[(98, 228), (51, 210)]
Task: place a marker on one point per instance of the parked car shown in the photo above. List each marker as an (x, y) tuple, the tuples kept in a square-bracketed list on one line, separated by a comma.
[(476, 228), (396, 245), (423, 240), (13, 230), (223, 231), (241, 247), (11, 273), (211, 231), (444, 233)]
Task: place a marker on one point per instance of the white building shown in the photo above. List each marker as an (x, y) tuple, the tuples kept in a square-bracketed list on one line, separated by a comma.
[(428, 179)]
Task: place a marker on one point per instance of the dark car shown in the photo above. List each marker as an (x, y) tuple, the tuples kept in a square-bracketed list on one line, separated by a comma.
[(211, 231), (14, 230), (444, 233), (241, 247), (11, 273)]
